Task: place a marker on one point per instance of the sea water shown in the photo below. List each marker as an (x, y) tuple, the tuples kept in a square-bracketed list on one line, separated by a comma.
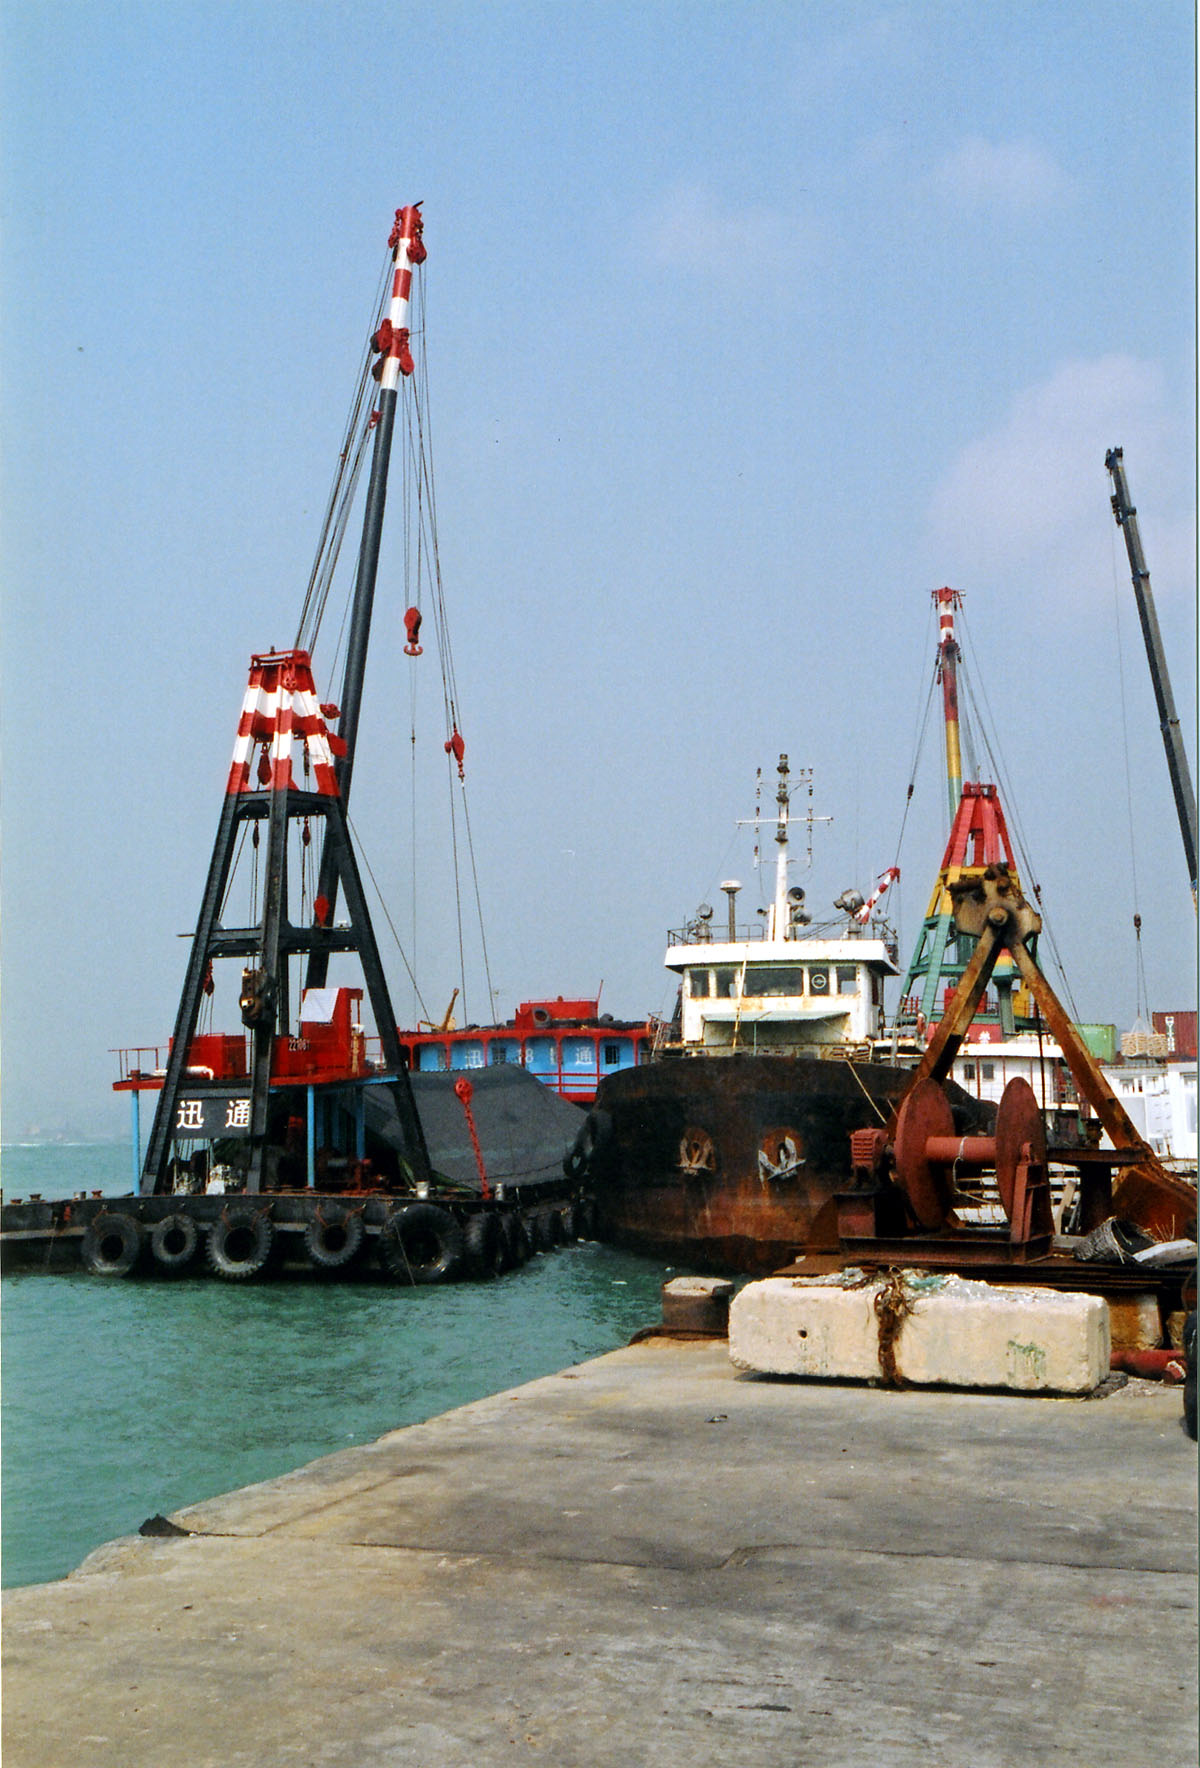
[(124, 1399)]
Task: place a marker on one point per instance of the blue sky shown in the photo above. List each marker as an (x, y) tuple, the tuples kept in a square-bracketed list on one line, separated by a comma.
[(748, 326)]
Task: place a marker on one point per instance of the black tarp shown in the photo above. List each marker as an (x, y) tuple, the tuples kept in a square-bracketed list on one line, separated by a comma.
[(524, 1129)]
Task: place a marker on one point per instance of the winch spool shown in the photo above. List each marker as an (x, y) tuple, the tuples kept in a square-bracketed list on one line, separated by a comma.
[(929, 1157)]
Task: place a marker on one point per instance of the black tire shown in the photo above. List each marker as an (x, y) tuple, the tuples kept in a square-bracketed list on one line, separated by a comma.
[(112, 1244), (334, 1237), (537, 1227), (553, 1229), (591, 1146), (516, 1241), (239, 1244), (506, 1257), (174, 1243), (483, 1244), (421, 1243)]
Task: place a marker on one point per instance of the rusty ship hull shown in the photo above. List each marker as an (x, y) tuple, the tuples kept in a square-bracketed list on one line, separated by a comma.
[(733, 1164)]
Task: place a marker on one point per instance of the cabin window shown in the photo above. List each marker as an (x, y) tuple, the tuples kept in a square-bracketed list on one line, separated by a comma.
[(501, 1051), (968, 1071), (847, 978), (775, 979), (612, 1053), (818, 981), (725, 980), (432, 1057), (988, 1070), (541, 1055), (699, 984)]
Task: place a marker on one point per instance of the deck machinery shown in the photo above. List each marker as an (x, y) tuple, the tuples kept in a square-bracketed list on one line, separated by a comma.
[(911, 1174)]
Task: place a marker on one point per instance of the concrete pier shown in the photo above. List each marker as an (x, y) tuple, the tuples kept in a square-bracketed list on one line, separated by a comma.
[(649, 1560)]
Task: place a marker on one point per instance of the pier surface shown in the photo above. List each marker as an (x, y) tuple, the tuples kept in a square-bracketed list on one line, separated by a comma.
[(650, 1560)]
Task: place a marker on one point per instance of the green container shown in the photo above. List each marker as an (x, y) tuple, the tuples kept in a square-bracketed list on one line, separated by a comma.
[(1101, 1040)]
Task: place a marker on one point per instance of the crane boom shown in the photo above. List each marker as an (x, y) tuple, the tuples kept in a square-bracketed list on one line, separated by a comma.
[(1177, 765)]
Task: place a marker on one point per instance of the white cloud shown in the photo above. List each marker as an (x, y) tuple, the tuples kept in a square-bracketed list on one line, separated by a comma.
[(693, 229), (1027, 504), (1017, 176)]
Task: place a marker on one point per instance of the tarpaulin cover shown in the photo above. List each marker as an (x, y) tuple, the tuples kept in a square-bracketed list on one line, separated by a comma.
[(524, 1129)]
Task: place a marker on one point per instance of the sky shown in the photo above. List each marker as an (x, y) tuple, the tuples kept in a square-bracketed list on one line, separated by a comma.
[(747, 326)]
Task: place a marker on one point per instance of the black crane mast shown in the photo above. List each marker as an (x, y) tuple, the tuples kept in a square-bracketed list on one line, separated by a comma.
[(1177, 764)]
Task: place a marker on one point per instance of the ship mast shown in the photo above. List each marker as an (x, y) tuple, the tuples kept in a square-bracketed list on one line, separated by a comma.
[(395, 359), (786, 909), (783, 800), (1177, 765), (946, 601)]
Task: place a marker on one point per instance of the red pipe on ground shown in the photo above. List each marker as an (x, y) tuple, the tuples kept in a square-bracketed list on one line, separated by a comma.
[(1155, 1365)]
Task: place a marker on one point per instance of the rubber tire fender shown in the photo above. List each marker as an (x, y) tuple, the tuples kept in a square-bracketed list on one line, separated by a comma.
[(334, 1237), (484, 1244), (593, 1139), (516, 1240), (174, 1243), (112, 1244), (236, 1225), (421, 1243)]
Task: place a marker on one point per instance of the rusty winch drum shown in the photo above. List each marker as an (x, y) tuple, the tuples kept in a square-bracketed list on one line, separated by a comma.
[(930, 1155)]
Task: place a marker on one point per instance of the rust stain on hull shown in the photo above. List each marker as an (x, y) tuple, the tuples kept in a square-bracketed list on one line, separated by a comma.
[(733, 1163)]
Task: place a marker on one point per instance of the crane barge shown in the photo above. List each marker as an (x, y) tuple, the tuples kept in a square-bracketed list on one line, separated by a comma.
[(297, 1139)]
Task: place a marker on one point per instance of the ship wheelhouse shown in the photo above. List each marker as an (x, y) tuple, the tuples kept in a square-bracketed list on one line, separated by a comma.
[(783, 996)]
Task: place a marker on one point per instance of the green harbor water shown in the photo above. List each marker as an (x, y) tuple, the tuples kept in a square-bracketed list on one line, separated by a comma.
[(124, 1399)]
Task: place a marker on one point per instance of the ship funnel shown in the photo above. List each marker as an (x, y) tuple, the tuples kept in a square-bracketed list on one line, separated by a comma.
[(731, 886)]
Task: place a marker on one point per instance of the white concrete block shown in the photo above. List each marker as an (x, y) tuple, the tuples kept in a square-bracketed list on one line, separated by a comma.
[(959, 1333)]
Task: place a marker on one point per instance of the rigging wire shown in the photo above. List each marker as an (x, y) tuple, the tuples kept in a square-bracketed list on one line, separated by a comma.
[(462, 964), (920, 728), (988, 731), (912, 771), (387, 917), (345, 479), (427, 564), (421, 573), (487, 970)]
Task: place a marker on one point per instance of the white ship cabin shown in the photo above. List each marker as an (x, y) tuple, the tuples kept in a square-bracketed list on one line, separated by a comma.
[(780, 993), (782, 986)]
